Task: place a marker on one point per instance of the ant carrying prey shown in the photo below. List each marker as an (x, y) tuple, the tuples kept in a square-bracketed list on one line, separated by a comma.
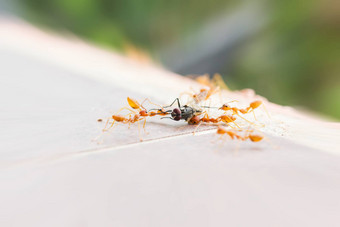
[(192, 114)]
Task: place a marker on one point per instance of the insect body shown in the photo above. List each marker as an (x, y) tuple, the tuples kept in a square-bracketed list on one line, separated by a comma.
[(193, 115), (182, 112), (137, 113), (251, 108), (234, 135)]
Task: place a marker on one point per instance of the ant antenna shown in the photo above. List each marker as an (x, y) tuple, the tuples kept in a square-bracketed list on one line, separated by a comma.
[(210, 107), (213, 107)]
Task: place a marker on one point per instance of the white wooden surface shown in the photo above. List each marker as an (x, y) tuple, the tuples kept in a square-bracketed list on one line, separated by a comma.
[(53, 90)]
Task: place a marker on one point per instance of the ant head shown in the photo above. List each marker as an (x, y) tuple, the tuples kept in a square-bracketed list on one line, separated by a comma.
[(225, 107), (176, 114)]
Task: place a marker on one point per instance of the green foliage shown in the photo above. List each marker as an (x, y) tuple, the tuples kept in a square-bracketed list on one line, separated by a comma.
[(148, 23), (294, 61)]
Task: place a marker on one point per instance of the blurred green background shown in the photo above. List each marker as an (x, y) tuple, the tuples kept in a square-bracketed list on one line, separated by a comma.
[(288, 51)]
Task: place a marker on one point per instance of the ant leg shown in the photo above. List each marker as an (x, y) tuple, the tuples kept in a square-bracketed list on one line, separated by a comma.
[(139, 129), (253, 110), (144, 126), (96, 139), (125, 108), (147, 99), (254, 114), (212, 92), (255, 105), (260, 124), (265, 109), (232, 101), (199, 124), (140, 136), (111, 125), (233, 123), (252, 123), (107, 122), (232, 126), (236, 125)]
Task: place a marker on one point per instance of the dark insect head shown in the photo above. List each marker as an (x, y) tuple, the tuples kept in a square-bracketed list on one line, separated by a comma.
[(176, 114)]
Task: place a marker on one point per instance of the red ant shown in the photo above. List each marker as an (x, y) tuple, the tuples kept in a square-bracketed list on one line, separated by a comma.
[(181, 113), (234, 135), (134, 116), (252, 106), (206, 119), (188, 114)]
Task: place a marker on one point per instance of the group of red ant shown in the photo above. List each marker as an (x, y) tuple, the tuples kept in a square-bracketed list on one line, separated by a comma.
[(193, 113)]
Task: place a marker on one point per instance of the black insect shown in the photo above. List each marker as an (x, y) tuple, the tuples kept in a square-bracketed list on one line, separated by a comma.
[(182, 112)]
